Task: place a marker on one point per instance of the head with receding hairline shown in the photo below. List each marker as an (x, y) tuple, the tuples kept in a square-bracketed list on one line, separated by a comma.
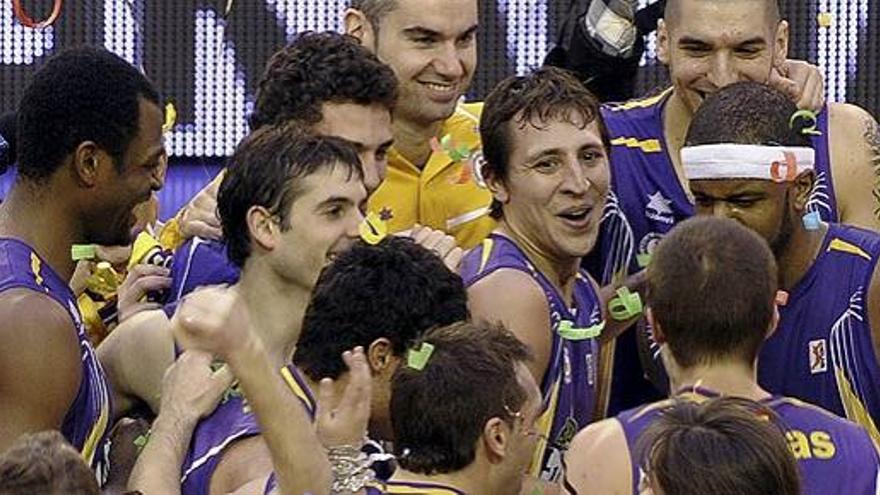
[(430, 44), (709, 44)]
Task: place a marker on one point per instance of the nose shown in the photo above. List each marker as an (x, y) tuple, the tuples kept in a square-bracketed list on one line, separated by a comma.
[(353, 231), (449, 61), (576, 181), (721, 209), (371, 169), (723, 71)]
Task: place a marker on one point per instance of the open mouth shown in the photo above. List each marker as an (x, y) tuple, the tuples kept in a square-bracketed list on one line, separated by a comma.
[(576, 215)]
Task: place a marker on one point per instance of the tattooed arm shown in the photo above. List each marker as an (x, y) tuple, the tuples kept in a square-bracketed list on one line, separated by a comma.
[(855, 165)]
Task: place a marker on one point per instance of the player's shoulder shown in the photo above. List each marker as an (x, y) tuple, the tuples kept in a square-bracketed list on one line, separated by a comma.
[(840, 114), (25, 308), (791, 409)]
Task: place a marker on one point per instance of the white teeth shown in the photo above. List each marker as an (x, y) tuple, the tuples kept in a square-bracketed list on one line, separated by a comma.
[(439, 87)]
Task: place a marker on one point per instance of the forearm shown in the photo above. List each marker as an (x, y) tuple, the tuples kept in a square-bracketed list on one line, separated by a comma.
[(286, 426), (158, 467)]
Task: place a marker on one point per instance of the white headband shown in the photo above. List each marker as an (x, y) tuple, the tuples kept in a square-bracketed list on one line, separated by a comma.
[(746, 161)]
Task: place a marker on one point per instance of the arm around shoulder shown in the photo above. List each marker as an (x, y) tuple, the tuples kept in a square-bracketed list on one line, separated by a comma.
[(40, 368), (135, 357)]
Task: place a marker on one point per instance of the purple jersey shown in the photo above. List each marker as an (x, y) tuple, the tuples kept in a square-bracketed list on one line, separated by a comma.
[(822, 351), (569, 385), (86, 423), (233, 420), (199, 263), (411, 488), (834, 455), (645, 201)]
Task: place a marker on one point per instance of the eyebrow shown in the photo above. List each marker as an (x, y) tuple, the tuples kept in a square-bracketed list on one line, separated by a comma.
[(359, 146), (335, 201), (423, 32), (688, 40)]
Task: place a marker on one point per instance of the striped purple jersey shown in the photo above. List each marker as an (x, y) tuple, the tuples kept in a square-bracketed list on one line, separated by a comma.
[(834, 455), (569, 385), (645, 201), (233, 420), (198, 263), (86, 423), (822, 351)]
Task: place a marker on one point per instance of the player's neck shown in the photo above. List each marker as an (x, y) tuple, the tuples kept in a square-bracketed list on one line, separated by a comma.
[(797, 257), (31, 215), (276, 308), (561, 273), (413, 140), (734, 378), (467, 480)]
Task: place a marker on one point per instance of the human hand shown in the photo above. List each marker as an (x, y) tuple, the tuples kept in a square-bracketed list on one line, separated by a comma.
[(442, 244), (342, 420), (800, 81), (199, 217), (141, 280)]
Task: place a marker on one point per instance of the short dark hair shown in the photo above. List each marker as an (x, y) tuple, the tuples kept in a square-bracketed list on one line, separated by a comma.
[(438, 413), (374, 10), (320, 68), (671, 13), (395, 289), (45, 463), (711, 288), (724, 446), (81, 94), (264, 170), (546, 94), (747, 113)]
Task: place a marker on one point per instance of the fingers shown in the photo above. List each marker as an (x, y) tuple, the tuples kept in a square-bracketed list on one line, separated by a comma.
[(453, 259), (326, 396), (787, 86), (199, 228), (807, 81)]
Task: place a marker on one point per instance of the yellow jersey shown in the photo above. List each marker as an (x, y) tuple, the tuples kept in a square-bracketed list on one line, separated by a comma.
[(444, 195)]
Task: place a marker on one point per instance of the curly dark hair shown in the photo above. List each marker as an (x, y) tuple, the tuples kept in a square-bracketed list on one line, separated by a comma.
[(395, 290), (264, 171), (319, 68), (747, 112), (547, 94), (82, 94)]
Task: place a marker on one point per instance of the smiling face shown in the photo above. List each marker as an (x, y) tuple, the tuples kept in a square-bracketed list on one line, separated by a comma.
[(368, 128), (709, 44), (431, 46), (127, 185), (323, 222), (556, 186)]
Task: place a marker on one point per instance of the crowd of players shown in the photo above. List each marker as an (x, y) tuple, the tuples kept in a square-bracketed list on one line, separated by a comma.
[(390, 291)]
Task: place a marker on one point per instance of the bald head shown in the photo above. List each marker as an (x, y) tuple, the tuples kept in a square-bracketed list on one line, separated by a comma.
[(674, 8)]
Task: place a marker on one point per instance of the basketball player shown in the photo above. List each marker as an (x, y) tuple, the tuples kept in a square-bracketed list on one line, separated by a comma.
[(712, 303), (745, 161), (714, 44), (547, 168), (89, 150)]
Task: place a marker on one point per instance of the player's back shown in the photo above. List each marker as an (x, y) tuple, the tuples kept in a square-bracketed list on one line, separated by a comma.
[(833, 454)]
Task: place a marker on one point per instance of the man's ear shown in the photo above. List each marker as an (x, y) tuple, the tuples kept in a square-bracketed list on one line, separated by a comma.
[(380, 355), (662, 42), (496, 440), (496, 185), (263, 227), (802, 189), (357, 25), (86, 163), (656, 331)]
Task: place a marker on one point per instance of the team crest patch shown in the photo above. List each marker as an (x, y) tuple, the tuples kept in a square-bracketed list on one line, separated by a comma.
[(659, 208), (818, 353)]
